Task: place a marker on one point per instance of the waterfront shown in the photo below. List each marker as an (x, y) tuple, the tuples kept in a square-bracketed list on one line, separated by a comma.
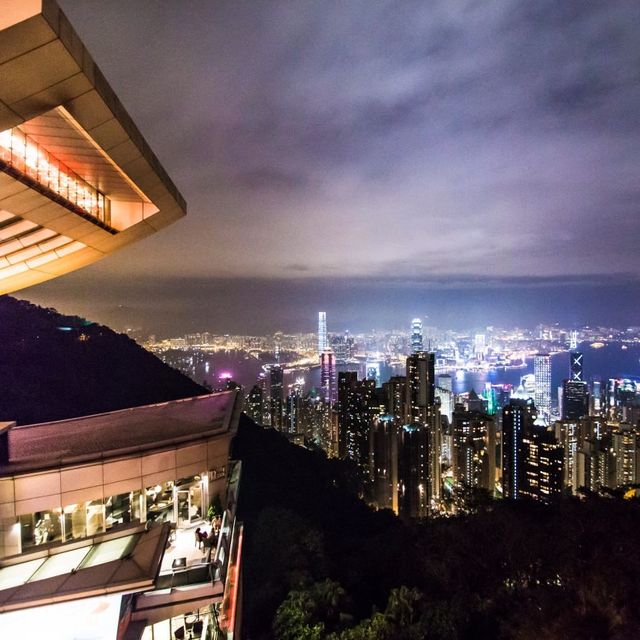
[(610, 361)]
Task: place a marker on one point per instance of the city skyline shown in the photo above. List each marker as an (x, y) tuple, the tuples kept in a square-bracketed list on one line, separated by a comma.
[(314, 148)]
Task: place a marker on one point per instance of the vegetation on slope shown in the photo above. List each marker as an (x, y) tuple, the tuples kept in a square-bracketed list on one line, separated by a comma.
[(320, 564)]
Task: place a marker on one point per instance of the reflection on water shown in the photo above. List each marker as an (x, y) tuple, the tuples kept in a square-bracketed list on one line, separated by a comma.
[(610, 361)]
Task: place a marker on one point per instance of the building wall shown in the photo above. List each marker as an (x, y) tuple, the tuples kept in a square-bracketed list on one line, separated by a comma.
[(25, 494)]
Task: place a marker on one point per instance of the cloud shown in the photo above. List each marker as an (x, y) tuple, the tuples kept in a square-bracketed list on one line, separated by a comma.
[(463, 139)]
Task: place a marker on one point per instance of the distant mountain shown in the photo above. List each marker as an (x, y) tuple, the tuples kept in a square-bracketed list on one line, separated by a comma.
[(54, 367)]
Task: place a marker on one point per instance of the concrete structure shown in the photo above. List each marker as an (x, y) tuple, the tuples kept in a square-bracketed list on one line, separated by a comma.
[(77, 179), (69, 487), (98, 514)]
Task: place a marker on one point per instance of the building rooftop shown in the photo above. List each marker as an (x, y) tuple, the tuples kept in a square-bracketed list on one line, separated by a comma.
[(116, 433)]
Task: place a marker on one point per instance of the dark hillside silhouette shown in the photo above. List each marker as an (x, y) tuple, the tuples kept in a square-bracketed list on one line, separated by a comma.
[(54, 366)]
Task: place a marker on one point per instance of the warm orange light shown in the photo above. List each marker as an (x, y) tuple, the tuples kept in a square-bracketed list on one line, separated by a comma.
[(23, 154)]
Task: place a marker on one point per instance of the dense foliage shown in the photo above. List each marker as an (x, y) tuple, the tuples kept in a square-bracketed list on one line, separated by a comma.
[(320, 564), (54, 367)]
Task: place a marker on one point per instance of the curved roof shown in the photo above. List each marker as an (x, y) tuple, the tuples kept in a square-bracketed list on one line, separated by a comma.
[(78, 133)]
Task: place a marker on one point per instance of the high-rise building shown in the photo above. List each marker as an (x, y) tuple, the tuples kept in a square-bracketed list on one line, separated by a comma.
[(542, 381), (422, 413), (383, 456), (575, 400), (328, 377), (625, 442), (416, 335), (517, 420), (577, 360), (543, 465), (396, 389), (254, 404), (354, 418), (420, 386), (413, 471), (276, 377), (473, 455), (323, 343)]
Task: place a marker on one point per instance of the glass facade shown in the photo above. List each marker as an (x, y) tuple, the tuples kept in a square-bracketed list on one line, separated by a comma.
[(22, 154)]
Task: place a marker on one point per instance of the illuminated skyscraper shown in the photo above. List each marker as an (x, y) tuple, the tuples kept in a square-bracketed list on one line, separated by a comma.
[(277, 397), (416, 335), (576, 366), (354, 418), (254, 404), (542, 380), (323, 343), (517, 420), (328, 377), (424, 416)]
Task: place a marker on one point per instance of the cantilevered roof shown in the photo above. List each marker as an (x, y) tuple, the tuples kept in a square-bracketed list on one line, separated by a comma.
[(52, 92), (127, 560), (117, 433)]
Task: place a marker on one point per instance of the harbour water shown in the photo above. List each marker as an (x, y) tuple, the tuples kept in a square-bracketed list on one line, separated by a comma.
[(609, 361)]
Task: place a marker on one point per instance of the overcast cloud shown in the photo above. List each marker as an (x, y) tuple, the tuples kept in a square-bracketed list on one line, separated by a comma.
[(445, 142)]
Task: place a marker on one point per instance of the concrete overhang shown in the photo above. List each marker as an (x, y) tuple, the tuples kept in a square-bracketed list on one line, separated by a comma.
[(77, 135)]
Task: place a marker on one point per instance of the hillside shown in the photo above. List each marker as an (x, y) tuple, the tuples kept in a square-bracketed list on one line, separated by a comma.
[(318, 562), (54, 366)]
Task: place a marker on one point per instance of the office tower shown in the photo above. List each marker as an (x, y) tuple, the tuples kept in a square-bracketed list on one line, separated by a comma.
[(416, 335), (575, 400), (421, 412), (543, 465), (383, 456), (490, 399), (276, 378), (517, 420), (354, 418), (255, 403), (576, 359), (480, 345), (328, 377), (596, 398), (420, 387), (323, 343), (413, 472), (573, 340), (542, 381)]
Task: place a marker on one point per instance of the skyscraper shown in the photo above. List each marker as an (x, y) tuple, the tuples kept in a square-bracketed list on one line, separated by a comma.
[(542, 381), (575, 400), (416, 335), (424, 415), (576, 366), (328, 377), (517, 420), (277, 397), (354, 418), (323, 343)]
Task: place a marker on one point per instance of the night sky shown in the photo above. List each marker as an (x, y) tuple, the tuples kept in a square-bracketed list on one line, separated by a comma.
[(471, 162)]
